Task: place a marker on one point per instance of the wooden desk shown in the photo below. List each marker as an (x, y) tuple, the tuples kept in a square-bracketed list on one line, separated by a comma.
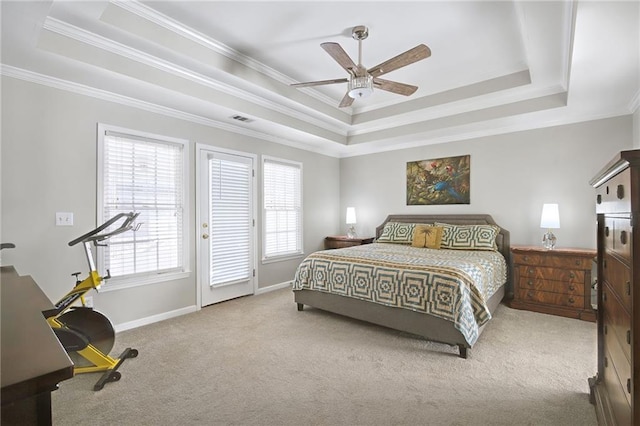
[(33, 360)]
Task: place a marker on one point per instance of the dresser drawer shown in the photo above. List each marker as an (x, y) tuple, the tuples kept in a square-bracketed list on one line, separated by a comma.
[(617, 391), (575, 289), (617, 321), (617, 275), (551, 260), (549, 298), (567, 275), (620, 362), (618, 236), (614, 196)]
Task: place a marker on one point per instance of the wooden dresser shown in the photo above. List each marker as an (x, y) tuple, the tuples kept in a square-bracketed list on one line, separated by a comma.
[(556, 282), (340, 241), (615, 390)]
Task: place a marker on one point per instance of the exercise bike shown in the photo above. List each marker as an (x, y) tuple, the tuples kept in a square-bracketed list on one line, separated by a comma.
[(88, 335)]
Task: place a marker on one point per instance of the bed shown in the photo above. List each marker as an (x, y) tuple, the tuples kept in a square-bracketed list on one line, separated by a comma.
[(445, 295)]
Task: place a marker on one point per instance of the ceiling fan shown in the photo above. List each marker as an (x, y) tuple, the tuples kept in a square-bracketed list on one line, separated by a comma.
[(361, 80)]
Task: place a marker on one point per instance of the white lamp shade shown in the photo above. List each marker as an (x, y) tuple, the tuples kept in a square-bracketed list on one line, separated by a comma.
[(550, 216), (351, 215)]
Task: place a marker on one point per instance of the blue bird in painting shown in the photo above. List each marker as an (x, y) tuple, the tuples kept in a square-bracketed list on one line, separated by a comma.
[(446, 186)]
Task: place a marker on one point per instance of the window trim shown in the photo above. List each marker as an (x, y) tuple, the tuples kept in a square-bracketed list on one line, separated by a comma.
[(135, 280), (300, 252)]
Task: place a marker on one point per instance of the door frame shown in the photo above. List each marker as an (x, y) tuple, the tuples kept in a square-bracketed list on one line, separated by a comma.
[(200, 148)]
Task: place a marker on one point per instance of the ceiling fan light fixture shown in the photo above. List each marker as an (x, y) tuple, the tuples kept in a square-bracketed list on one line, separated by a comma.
[(360, 87)]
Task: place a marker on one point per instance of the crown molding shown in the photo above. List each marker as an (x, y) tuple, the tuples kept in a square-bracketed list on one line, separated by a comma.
[(571, 12), (478, 130), (496, 127), (67, 30), (81, 89), (150, 14)]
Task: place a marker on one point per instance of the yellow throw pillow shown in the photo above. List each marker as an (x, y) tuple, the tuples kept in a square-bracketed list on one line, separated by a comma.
[(427, 236)]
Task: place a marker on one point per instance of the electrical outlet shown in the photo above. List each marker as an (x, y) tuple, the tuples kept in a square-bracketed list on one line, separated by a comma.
[(64, 219), (88, 302)]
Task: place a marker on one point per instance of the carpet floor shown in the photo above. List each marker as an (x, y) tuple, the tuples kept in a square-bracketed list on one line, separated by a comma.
[(258, 361)]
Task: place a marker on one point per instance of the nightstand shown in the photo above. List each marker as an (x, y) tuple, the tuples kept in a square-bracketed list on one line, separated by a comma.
[(341, 241), (556, 282)]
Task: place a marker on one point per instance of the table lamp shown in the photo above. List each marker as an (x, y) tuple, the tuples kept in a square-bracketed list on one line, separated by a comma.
[(351, 221), (550, 219)]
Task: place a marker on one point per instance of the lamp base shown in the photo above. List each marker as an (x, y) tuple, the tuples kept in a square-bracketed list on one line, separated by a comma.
[(351, 233), (549, 240)]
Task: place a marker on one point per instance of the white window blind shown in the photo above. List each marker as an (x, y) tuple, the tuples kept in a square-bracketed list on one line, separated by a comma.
[(146, 176), (231, 221), (282, 209)]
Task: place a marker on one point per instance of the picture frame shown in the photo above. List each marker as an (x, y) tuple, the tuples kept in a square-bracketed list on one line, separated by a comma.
[(439, 181)]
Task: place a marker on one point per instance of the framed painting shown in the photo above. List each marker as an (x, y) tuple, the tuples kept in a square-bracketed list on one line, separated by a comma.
[(439, 181)]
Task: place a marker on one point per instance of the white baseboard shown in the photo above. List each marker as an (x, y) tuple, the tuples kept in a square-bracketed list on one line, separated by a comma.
[(189, 309), (273, 287), (153, 318)]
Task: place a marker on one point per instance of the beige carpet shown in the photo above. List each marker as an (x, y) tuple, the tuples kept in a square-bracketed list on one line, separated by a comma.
[(258, 361)]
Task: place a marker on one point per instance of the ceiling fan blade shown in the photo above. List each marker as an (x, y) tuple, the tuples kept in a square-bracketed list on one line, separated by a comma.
[(340, 56), (346, 101), (394, 87), (320, 82), (418, 53)]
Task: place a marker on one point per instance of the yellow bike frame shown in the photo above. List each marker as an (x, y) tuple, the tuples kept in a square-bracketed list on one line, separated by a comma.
[(99, 360)]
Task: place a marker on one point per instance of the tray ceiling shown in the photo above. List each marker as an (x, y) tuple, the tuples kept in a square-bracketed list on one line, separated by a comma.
[(496, 66)]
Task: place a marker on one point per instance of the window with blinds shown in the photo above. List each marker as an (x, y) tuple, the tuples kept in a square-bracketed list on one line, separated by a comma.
[(282, 208), (143, 174)]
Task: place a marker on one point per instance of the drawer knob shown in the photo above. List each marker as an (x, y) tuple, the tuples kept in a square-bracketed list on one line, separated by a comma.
[(572, 300), (623, 237), (530, 283), (578, 262), (530, 294), (531, 271), (572, 275), (606, 231), (628, 285), (599, 199), (572, 287), (629, 385), (525, 258), (620, 192)]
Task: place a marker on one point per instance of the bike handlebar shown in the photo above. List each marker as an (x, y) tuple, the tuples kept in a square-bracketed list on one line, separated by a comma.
[(95, 234)]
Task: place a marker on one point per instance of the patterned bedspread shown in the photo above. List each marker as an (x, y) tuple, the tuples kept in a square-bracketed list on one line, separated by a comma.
[(450, 284)]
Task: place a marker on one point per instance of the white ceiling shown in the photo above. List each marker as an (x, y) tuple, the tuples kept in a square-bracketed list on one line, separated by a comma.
[(496, 66)]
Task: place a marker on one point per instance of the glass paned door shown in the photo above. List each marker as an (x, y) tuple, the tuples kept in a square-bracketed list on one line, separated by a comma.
[(226, 232)]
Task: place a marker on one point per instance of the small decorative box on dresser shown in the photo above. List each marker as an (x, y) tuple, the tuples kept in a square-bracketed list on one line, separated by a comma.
[(615, 390), (556, 282), (341, 241)]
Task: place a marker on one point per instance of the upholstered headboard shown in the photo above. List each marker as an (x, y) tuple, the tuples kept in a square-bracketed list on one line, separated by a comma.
[(502, 239)]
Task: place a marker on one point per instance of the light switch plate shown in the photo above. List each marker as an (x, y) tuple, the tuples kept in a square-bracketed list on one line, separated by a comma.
[(64, 219)]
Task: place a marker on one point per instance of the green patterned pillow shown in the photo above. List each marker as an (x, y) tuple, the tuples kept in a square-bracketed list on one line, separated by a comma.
[(397, 232), (469, 237)]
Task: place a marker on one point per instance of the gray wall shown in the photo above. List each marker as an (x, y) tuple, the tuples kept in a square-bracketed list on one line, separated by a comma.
[(512, 175), (49, 165), (636, 129), (48, 161)]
